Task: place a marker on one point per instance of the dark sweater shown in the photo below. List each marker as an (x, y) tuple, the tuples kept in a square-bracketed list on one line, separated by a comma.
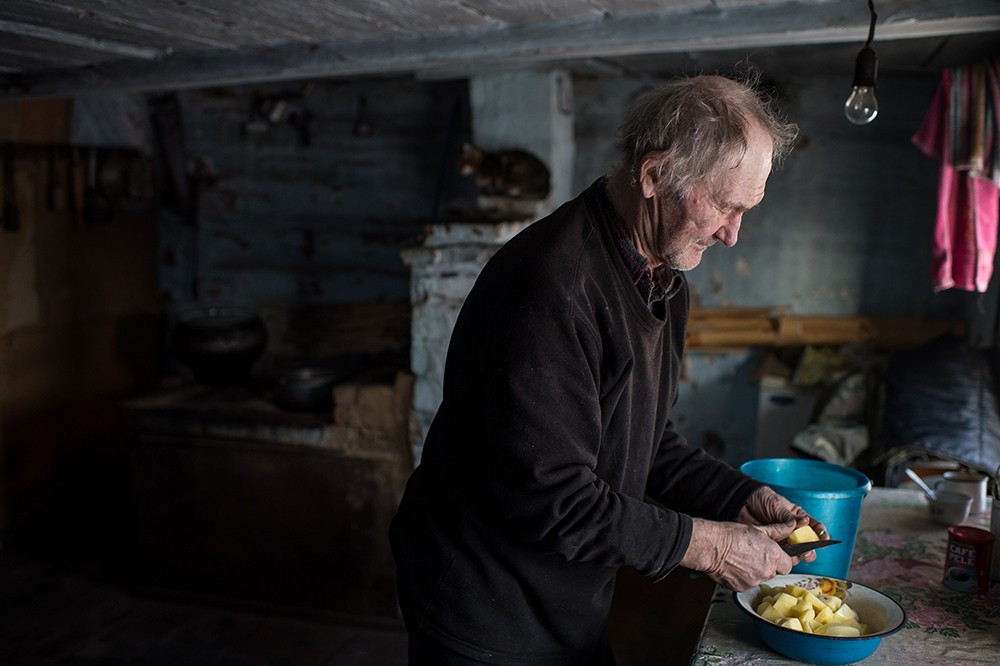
[(554, 432)]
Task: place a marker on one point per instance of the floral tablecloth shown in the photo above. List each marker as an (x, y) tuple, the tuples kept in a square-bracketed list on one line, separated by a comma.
[(900, 552)]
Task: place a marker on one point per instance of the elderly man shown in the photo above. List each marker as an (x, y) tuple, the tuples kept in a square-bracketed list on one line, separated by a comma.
[(552, 461)]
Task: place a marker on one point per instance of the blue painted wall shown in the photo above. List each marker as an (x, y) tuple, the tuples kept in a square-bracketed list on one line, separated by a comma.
[(845, 227), (285, 224)]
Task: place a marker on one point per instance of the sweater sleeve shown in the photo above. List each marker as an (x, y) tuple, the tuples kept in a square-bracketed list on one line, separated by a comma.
[(691, 480), (544, 436)]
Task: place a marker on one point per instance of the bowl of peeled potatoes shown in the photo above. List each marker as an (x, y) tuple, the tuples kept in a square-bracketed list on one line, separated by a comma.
[(820, 620)]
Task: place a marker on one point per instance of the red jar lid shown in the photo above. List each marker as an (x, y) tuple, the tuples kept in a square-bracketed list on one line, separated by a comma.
[(971, 534)]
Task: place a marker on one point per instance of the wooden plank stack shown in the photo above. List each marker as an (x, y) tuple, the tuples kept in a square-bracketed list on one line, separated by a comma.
[(727, 328)]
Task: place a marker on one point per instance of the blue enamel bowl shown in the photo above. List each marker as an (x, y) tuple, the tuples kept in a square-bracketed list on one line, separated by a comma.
[(881, 613)]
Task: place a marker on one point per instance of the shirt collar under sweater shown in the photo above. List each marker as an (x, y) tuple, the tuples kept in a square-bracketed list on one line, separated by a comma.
[(654, 287)]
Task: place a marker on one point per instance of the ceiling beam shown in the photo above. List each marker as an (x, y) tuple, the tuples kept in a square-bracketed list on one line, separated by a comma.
[(714, 28)]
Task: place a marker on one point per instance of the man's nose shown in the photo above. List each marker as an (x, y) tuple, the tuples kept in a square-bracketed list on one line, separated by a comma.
[(730, 231)]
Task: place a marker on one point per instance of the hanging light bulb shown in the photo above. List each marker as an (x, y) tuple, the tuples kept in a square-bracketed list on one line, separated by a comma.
[(862, 107)]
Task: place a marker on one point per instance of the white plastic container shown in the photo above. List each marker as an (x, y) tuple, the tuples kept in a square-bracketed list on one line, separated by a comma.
[(995, 528)]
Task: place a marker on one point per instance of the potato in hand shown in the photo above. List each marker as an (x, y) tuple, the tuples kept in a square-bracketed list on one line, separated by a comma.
[(804, 534)]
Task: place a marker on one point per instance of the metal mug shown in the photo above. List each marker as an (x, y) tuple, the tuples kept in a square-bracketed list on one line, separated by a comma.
[(972, 484), (995, 528)]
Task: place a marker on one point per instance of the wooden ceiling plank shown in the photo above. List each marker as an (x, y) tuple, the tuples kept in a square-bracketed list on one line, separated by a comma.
[(517, 12), (764, 25), (628, 7), (77, 40), (39, 16), (228, 24), (202, 21), (52, 54), (412, 17), (114, 27), (266, 22), (29, 56), (319, 19)]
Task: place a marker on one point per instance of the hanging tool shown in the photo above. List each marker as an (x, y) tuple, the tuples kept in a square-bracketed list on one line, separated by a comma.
[(11, 218), (96, 206)]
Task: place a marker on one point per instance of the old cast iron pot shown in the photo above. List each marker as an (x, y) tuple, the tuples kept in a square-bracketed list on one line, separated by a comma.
[(219, 345)]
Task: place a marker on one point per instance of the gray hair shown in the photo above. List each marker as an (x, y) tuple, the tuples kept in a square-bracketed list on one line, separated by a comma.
[(700, 124)]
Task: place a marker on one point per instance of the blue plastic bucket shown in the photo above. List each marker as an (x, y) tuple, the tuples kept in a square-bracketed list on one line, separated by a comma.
[(832, 494)]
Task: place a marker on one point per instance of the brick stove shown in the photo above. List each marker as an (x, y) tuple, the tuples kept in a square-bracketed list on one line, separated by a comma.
[(443, 270)]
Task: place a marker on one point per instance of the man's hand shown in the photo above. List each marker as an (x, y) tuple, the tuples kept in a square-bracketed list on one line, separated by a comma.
[(764, 507), (738, 556)]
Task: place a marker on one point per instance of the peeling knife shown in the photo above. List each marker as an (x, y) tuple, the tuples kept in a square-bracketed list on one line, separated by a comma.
[(793, 549)]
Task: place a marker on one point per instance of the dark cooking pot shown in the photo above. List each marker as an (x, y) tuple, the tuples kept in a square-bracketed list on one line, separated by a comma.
[(220, 345), (306, 389)]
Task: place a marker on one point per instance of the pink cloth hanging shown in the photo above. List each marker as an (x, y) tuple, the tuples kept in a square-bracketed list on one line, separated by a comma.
[(960, 129)]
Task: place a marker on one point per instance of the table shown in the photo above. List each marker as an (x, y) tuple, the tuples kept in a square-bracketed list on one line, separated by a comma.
[(900, 552)]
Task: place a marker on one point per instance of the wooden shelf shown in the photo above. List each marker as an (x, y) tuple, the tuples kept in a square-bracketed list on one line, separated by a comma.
[(722, 328)]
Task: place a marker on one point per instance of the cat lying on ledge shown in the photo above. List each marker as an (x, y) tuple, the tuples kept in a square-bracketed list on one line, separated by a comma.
[(516, 174)]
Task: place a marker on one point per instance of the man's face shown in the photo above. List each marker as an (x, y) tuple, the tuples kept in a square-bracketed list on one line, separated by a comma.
[(711, 212)]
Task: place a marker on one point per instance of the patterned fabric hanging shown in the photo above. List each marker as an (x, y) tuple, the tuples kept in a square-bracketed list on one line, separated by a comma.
[(962, 130)]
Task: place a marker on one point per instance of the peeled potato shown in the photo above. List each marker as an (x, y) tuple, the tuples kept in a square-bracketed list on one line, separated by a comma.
[(804, 534), (785, 603), (772, 615), (792, 623), (794, 607), (838, 630), (815, 602), (846, 613), (831, 601), (825, 616)]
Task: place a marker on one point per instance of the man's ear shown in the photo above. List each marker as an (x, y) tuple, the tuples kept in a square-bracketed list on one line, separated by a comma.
[(647, 174)]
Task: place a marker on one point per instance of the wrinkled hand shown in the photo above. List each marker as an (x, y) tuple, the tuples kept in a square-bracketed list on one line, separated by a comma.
[(738, 556), (764, 506)]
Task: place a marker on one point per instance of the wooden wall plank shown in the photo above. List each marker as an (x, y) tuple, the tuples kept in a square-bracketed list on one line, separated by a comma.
[(287, 225), (79, 313)]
